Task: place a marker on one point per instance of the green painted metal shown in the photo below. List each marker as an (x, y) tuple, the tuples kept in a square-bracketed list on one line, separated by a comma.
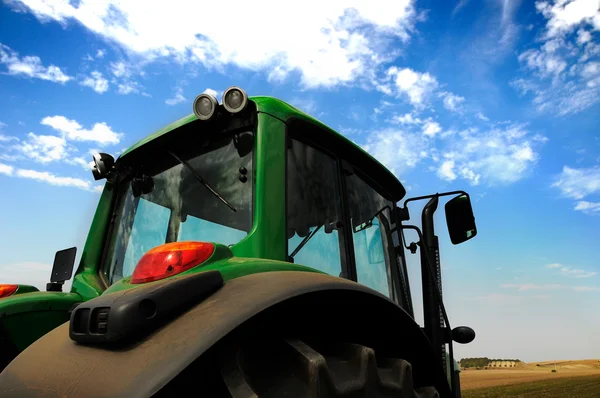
[(28, 316), (25, 289)]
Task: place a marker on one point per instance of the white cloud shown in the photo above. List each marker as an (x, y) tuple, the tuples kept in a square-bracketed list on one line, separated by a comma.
[(530, 286), (49, 178), (431, 128), (327, 48), (561, 82), (130, 87), (498, 156), (30, 66), (452, 102), (306, 105), (578, 183), (398, 150), (100, 53), (481, 116), (177, 98), (120, 69), (79, 161), (588, 207), (586, 289), (210, 91), (418, 87), (583, 36), (545, 63), (570, 271), (43, 148), (6, 169), (446, 171), (564, 16), (407, 118), (576, 273), (100, 133), (7, 138), (96, 82)]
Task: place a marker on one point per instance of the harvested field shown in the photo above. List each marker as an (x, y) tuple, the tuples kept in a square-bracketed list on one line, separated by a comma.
[(528, 373), (565, 387)]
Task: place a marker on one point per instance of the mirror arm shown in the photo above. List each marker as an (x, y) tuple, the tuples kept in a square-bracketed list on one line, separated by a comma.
[(434, 195)]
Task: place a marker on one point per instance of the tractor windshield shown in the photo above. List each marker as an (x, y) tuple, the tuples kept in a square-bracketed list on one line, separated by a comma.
[(170, 203)]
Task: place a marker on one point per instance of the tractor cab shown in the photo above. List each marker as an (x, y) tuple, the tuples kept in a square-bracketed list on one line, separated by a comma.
[(243, 187)]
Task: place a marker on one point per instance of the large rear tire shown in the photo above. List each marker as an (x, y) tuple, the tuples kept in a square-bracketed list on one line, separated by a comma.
[(275, 368)]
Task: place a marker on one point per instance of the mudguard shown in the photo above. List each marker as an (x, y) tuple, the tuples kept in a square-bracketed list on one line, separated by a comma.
[(56, 366)]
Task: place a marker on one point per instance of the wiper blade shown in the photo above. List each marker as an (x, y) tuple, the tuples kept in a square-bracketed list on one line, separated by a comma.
[(203, 181), (304, 242)]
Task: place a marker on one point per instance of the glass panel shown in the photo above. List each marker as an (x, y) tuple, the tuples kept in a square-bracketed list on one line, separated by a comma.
[(370, 215), (313, 209), (201, 230), (181, 208), (149, 230)]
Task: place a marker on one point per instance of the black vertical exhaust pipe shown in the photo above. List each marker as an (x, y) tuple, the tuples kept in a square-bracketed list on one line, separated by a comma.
[(434, 320)]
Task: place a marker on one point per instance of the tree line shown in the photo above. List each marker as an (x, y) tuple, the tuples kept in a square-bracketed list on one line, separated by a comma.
[(481, 362)]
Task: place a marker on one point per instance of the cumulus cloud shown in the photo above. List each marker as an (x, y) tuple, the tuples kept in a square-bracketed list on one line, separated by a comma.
[(43, 148), (177, 98), (210, 91), (415, 86), (6, 169), (431, 128), (452, 102), (30, 66), (100, 133), (500, 155), (397, 149), (96, 82), (326, 48)]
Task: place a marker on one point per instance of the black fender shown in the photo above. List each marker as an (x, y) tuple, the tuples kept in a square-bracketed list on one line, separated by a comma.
[(56, 366)]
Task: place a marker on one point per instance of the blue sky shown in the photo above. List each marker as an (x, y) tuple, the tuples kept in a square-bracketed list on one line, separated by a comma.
[(500, 98)]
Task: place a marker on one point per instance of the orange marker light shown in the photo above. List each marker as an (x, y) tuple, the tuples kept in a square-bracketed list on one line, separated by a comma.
[(8, 290), (171, 259)]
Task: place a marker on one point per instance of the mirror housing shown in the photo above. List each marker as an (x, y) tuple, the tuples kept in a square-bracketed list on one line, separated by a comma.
[(62, 269), (460, 219), (463, 334), (102, 165)]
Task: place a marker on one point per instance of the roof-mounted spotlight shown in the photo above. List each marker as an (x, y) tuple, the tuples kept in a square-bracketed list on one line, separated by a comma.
[(102, 165), (205, 106), (235, 99)]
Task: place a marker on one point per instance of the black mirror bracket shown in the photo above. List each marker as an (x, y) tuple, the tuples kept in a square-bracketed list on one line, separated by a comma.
[(64, 260)]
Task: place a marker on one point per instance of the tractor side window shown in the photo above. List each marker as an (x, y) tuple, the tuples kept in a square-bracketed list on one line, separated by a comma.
[(313, 209), (370, 218)]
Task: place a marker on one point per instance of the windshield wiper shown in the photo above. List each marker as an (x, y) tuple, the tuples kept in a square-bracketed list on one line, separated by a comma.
[(203, 181), (304, 242)]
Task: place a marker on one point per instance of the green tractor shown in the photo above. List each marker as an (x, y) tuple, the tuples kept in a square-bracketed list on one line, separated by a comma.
[(246, 250)]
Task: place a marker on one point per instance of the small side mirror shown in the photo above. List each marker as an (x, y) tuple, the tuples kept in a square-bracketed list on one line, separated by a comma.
[(64, 260), (460, 219), (102, 165), (463, 334)]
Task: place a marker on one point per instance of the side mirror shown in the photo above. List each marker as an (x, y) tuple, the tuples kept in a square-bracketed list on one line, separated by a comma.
[(102, 165), (463, 334), (64, 260), (460, 219)]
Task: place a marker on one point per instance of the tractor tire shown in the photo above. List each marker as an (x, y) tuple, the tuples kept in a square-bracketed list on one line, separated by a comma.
[(276, 368)]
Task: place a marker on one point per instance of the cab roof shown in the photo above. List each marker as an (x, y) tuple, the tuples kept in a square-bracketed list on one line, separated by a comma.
[(327, 137)]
